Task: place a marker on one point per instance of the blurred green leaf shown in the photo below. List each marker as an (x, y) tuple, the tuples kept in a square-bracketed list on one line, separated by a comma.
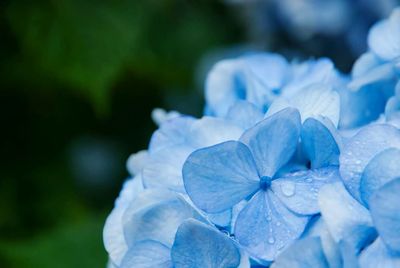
[(88, 45), (78, 245)]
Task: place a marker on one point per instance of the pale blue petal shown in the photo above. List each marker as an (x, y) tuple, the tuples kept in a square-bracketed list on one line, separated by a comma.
[(385, 212), (147, 254), (381, 72), (320, 142), (360, 107), (113, 234), (244, 114), (164, 168), (158, 221), (221, 219), (299, 190), (303, 253), (384, 37), (312, 101), (209, 131), (198, 245), (347, 220), (383, 168), (136, 162), (218, 177), (377, 255), (172, 132), (360, 149), (274, 140), (265, 227)]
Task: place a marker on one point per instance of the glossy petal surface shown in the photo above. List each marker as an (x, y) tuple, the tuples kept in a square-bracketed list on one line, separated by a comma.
[(320, 142), (265, 226), (198, 245), (361, 148), (383, 168), (347, 220), (299, 190), (218, 177), (273, 141), (385, 212)]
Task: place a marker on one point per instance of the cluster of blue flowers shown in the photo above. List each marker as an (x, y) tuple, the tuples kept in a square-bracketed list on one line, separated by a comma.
[(294, 164)]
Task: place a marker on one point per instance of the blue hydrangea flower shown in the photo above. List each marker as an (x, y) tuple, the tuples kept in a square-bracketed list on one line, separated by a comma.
[(261, 78), (219, 177)]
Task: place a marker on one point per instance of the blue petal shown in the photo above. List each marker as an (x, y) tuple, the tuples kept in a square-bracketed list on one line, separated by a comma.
[(320, 142), (361, 148), (251, 77), (147, 254), (312, 101), (384, 37), (304, 253), (299, 190), (377, 255), (385, 212), (360, 107), (198, 245), (158, 221), (113, 234), (164, 168), (383, 168), (265, 226), (346, 219), (274, 140), (136, 162), (245, 114), (222, 219), (209, 131), (218, 177), (172, 132)]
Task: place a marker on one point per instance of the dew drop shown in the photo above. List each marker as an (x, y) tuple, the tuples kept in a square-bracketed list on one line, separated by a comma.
[(308, 179), (271, 240), (288, 188)]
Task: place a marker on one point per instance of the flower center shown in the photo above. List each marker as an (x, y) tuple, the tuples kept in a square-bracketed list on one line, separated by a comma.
[(265, 182)]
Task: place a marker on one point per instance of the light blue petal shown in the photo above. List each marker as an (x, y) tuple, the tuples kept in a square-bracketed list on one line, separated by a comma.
[(222, 219), (360, 107), (147, 254), (172, 132), (158, 221), (361, 148), (265, 227), (251, 77), (320, 142), (218, 177), (136, 162), (303, 253), (377, 255), (346, 219), (164, 168), (385, 212), (198, 245), (383, 168), (299, 190), (209, 131), (384, 37), (113, 234), (274, 140), (244, 114), (312, 101)]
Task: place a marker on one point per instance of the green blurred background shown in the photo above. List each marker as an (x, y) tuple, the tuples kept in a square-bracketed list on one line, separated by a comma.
[(78, 82)]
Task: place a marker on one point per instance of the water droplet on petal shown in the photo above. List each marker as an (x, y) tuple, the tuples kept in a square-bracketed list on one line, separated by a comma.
[(271, 240), (308, 179), (288, 188)]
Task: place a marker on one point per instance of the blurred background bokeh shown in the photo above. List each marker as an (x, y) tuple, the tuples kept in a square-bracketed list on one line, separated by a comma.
[(78, 82)]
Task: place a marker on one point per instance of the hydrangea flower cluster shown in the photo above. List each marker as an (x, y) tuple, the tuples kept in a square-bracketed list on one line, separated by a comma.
[(293, 164)]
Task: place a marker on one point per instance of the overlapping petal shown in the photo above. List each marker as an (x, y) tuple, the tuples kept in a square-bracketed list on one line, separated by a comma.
[(265, 226), (218, 177), (299, 190), (273, 141), (147, 254), (198, 245), (378, 255), (385, 212), (359, 151)]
